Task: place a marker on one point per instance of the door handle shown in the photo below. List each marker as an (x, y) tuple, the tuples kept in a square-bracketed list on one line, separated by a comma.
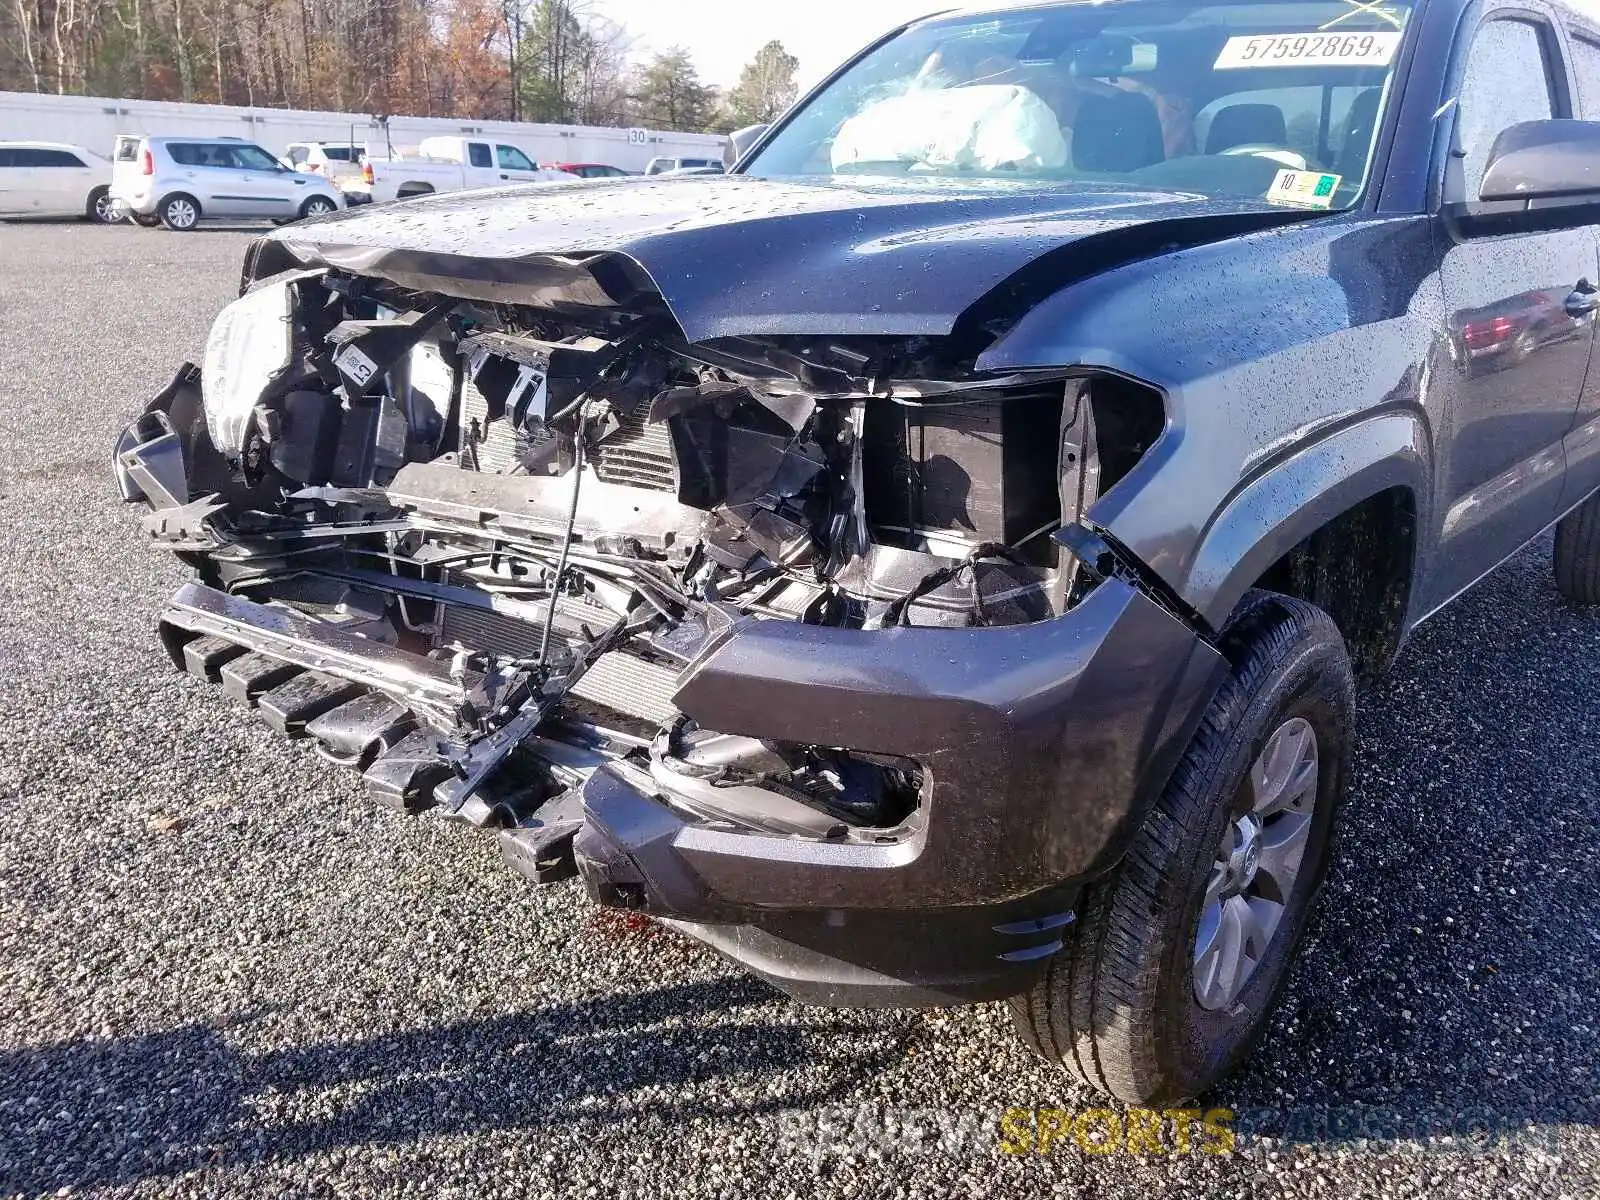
[(503, 175), (1582, 300)]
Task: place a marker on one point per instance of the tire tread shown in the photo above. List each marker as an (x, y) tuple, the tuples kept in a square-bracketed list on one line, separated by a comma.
[(1577, 553), (1114, 950)]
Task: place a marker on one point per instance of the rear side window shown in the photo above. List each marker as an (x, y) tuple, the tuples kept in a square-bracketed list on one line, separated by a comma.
[(1586, 66), (186, 154), (512, 159), (8, 158), (1507, 81), (478, 154), (32, 156), (336, 153)]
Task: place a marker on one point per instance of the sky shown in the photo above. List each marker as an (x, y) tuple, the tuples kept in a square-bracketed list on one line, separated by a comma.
[(723, 35)]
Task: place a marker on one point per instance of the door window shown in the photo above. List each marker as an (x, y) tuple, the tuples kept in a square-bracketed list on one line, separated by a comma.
[(512, 159), (478, 154), (253, 158), (1507, 81), (8, 158), (1586, 66)]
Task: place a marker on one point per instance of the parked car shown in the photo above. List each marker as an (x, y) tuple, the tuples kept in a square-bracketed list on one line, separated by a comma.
[(180, 181), (932, 565), (588, 170), (447, 164), (673, 166), (338, 161), (53, 179)]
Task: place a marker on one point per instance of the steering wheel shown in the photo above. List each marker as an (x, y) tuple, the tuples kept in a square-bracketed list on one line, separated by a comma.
[(1278, 154)]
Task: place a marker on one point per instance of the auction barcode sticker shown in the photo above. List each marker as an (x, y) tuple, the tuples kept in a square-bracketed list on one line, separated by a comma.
[(1309, 50)]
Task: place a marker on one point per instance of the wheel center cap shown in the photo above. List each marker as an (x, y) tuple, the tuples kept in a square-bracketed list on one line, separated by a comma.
[(1246, 856)]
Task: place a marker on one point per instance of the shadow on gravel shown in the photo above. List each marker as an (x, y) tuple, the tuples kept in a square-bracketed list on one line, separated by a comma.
[(1450, 985), (113, 1111)]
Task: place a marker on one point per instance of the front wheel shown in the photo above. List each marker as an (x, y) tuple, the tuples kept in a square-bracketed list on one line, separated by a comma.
[(180, 213), (1577, 557), (1179, 955)]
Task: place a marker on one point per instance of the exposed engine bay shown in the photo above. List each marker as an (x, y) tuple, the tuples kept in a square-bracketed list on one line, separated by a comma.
[(481, 545)]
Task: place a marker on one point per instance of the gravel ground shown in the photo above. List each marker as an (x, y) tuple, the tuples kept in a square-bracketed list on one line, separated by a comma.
[(223, 971)]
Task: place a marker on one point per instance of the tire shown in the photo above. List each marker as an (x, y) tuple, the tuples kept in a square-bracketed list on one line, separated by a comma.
[(100, 208), (317, 206), (1577, 559), (179, 213), (148, 221), (1120, 1006)]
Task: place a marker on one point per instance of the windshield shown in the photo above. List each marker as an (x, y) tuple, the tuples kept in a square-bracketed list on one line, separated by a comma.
[(1269, 100)]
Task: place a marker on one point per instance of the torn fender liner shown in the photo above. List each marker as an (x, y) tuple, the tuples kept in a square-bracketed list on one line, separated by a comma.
[(734, 256)]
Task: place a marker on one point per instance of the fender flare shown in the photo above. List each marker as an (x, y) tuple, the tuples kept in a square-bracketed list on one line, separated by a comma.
[(1285, 504)]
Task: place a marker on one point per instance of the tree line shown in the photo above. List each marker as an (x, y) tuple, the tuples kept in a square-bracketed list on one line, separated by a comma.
[(557, 61)]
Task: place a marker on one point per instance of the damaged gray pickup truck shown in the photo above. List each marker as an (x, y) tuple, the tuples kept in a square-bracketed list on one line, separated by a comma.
[(929, 564)]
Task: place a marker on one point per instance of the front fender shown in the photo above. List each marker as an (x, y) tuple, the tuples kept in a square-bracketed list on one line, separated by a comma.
[(1290, 501)]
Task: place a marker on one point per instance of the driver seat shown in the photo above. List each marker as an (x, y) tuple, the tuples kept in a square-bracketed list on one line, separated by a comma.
[(1246, 125)]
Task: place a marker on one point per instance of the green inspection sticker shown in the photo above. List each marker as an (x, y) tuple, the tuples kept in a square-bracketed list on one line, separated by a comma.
[(1306, 189)]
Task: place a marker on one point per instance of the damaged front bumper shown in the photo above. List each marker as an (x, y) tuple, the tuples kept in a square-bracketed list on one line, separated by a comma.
[(1004, 764), (1040, 742)]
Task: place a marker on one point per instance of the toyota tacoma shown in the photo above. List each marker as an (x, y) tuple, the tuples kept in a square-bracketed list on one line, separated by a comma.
[(929, 564)]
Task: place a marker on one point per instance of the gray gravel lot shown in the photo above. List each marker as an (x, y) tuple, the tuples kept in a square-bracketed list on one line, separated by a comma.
[(223, 971)]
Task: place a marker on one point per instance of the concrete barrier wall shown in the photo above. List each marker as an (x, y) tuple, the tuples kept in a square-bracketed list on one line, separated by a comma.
[(94, 122)]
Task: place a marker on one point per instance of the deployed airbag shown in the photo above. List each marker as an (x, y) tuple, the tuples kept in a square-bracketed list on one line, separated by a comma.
[(983, 127)]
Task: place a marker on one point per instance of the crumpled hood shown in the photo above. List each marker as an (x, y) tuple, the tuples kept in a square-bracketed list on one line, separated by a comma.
[(743, 256)]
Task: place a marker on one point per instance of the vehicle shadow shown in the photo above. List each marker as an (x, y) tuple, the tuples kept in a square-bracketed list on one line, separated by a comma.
[(113, 1111), (1449, 984)]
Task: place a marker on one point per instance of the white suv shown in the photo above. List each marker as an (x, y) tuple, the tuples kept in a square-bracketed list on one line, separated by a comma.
[(178, 181)]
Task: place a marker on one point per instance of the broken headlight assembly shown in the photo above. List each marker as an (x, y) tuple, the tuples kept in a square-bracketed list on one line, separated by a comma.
[(250, 344)]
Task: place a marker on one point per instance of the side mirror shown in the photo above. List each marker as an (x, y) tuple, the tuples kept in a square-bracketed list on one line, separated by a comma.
[(743, 139), (1544, 160)]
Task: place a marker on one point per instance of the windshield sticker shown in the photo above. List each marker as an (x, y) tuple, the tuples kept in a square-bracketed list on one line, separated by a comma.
[(1303, 189), (1308, 49)]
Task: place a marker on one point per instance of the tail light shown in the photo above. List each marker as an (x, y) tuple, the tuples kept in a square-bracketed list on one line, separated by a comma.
[(147, 162), (366, 173), (1488, 333)]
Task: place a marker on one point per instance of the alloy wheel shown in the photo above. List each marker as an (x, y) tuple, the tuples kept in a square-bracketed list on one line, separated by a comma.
[(181, 214), (1253, 876)]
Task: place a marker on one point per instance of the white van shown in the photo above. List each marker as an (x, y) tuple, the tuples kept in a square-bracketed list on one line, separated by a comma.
[(53, 179)]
